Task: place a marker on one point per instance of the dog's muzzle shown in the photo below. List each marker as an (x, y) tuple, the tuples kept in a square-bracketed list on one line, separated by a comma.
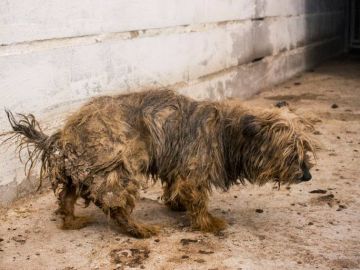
[(306, 176)]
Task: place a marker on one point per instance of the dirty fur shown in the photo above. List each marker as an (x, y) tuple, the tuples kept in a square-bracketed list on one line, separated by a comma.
[(108, 145)]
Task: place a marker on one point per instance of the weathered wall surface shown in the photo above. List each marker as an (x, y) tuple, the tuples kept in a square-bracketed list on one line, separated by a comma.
[(56, 54)]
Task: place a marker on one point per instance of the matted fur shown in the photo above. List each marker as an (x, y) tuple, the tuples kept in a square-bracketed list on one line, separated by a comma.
[(190, 146)]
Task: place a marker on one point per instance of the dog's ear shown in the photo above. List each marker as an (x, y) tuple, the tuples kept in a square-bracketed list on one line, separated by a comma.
[(249, 125)]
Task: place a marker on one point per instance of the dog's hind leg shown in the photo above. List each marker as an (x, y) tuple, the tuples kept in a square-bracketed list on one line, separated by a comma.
[(195, 199), (67, 196), (116, 196)]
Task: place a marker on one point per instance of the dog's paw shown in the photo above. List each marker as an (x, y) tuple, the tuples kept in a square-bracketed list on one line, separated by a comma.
[(75, 223), (210, 223), (217, 224), (143, 231)]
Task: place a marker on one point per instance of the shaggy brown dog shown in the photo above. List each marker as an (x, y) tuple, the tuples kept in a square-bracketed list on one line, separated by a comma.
[(112, 141)]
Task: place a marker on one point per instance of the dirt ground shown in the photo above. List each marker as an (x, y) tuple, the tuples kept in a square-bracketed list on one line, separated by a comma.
[(314, 225)]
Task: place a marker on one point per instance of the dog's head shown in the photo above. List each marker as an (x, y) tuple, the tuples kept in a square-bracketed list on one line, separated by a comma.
[(276, 147)]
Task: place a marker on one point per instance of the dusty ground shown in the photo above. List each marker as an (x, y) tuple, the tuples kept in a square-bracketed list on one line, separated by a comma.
[(269, 229)]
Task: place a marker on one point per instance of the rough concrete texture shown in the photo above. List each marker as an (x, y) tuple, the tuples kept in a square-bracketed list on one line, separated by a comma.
[(314, 225), (56, 19)]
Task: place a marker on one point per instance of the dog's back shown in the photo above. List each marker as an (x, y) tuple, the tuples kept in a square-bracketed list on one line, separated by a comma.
[(152, 132)]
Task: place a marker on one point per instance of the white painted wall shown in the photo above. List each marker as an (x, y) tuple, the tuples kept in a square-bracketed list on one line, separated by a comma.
[(56, 54)]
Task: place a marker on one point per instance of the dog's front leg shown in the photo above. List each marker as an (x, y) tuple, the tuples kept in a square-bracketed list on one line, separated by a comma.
[(171, 199), (194, 197)]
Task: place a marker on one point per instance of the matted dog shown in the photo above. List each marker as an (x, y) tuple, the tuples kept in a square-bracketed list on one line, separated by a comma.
[(190, 146)]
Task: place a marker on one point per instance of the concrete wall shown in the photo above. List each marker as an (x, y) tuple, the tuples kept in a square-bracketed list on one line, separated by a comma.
[(55, 54)]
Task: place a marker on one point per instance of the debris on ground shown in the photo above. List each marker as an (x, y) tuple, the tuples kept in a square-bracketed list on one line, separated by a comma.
[(281, 104), (132, 257), (319, 191), (188, 241)]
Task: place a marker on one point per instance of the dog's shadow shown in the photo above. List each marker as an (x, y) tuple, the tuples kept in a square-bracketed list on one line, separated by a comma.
[(147, 211), (154, 212)]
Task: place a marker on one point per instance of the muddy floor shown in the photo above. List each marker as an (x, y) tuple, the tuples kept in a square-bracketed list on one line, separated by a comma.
[(315, 225)]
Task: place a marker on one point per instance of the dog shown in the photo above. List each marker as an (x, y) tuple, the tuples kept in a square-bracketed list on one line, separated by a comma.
[(191, 146)]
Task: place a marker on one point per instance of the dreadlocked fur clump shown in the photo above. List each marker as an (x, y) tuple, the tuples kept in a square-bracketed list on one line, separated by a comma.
[(105, 148)]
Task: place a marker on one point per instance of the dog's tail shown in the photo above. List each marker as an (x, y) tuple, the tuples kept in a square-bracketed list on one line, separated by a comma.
[(27, 135)]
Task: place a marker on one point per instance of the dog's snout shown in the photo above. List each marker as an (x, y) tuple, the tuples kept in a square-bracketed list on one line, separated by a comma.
[(306, 176), (306, 173)]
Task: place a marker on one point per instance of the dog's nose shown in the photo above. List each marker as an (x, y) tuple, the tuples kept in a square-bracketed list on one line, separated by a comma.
[(306, 177)]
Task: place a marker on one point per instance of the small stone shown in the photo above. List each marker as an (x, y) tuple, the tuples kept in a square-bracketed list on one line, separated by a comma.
[(341, 207), (310, 223), (329, 197), (220, 234), (334, 106), (60, 251), (281, 104), (188, 241), (19, 238), (185, 257), (205, 252), (259, 211), (318, 191)]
